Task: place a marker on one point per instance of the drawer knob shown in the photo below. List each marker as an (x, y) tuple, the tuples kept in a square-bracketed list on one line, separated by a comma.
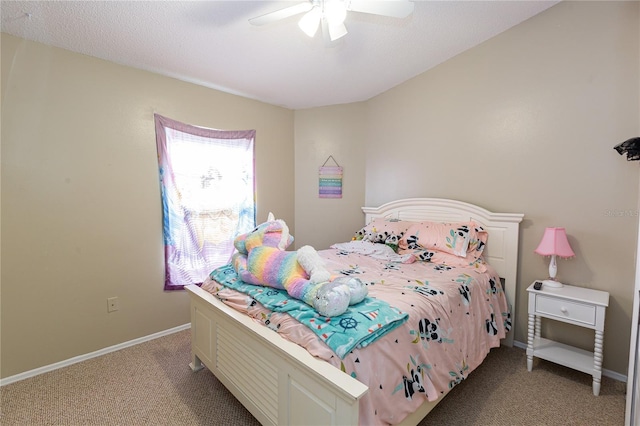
[(564, 310)]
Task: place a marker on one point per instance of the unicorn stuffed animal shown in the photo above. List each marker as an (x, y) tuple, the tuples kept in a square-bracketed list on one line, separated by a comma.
[(262, 260)]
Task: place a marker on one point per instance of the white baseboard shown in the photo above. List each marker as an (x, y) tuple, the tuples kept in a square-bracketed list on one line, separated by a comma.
[(80, 358), (608, 373)]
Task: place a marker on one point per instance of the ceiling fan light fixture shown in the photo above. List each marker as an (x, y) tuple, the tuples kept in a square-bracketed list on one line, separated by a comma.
[(310, 21), (335, 11)]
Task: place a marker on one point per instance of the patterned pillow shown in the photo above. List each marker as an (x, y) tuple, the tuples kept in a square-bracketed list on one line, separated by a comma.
[(452, 238), (477, 241)]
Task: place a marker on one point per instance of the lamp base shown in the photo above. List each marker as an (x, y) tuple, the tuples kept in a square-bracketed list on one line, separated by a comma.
[(552, 284)]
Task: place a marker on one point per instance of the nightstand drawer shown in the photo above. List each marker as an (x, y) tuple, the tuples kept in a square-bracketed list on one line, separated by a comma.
[(566, 309)]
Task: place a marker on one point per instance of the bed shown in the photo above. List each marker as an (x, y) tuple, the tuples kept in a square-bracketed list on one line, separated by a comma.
[(282, 383)]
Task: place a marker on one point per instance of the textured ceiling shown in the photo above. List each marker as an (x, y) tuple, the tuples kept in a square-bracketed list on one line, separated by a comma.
[(211, 43)]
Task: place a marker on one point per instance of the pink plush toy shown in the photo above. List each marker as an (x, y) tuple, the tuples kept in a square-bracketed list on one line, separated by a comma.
[(262, 260)]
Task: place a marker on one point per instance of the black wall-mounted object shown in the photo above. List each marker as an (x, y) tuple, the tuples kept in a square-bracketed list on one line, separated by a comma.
[(631, 147)]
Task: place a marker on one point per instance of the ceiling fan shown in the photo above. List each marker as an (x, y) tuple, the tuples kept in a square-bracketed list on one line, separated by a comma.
[(330, 14)]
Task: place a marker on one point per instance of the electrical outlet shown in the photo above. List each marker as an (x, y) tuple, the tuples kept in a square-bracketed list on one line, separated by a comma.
[(112, 304)]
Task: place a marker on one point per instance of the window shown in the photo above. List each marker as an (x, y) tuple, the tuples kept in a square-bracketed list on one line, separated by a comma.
[(207, 188)]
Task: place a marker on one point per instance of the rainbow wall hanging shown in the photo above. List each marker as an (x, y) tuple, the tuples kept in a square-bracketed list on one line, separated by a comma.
[(330, 180)]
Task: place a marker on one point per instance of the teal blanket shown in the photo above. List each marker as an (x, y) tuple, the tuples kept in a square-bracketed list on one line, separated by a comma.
[(359, 326)]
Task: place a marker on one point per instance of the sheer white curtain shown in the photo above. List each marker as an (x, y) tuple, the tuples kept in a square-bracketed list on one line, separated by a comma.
[(207, 188)]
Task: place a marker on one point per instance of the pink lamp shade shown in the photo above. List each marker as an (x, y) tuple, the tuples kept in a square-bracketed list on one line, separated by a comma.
[(554, 243)]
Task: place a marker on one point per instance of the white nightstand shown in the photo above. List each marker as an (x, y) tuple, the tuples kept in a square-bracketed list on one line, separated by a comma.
[(574, 305)]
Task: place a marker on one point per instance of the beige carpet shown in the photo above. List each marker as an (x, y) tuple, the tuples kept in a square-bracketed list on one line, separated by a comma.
[(151, 384), (502, 392)]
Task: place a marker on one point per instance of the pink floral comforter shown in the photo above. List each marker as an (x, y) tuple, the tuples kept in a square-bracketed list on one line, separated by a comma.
[(456, 315)]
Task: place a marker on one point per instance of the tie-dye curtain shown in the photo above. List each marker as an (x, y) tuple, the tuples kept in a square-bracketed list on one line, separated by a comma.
[(207, 189)]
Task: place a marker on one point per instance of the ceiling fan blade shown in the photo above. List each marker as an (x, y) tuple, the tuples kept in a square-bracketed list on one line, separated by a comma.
[(332, 33), (310, 22), (282, 13), (337, 31), (393, 8)]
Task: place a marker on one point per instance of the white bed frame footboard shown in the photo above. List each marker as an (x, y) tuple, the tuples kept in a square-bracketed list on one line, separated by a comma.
[(279, 382)]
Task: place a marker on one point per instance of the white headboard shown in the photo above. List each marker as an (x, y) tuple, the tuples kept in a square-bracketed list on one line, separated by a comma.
[(503, 228)]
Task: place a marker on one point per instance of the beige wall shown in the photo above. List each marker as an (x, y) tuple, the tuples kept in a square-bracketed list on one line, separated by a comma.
[(338, 131), (526, 122), (81, 212)]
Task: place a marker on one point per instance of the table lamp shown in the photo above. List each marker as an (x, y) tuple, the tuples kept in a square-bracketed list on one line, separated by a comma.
[(554, 243)]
